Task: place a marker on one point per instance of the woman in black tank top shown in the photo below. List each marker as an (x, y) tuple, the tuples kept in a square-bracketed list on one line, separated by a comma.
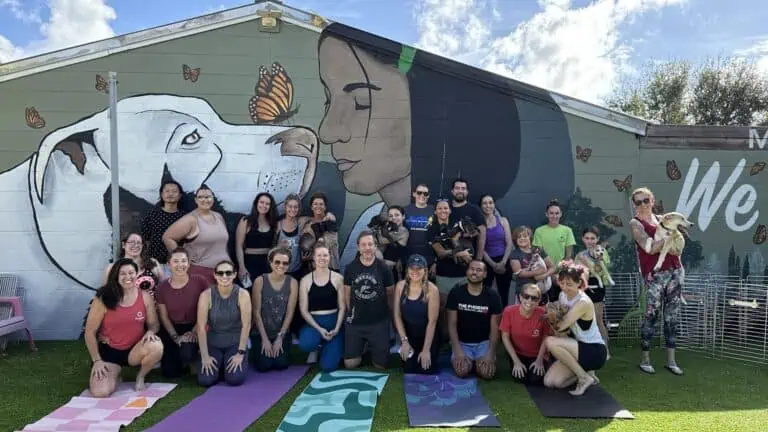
[(322, 304)]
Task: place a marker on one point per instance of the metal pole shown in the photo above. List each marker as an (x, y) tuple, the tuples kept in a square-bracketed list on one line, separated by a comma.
[(114, 164)]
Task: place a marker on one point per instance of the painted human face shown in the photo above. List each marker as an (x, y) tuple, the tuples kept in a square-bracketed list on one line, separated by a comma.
[(224, 274), (443, 211), (421, 195), (322, 257), (280, 263), (554, 214), (488, 206), (133, 246), (318, 207), (395, 216), (204, 199), (590, 240), (264, 204), (126, 277), (179, 263), (170, 194), (367, 117), (367, 247), (476, 272), (292, 208)]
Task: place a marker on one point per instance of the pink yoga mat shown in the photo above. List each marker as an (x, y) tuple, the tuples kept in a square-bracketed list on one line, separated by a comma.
[(224, 408)]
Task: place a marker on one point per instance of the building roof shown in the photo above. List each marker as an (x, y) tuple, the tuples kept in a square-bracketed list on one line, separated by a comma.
[(301, 18)]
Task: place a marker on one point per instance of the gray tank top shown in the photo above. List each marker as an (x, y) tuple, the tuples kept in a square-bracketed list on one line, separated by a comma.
[(224, 323), (292, 239), (274, 304)]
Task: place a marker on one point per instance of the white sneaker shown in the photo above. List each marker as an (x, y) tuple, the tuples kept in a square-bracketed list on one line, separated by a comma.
[(312, 357)]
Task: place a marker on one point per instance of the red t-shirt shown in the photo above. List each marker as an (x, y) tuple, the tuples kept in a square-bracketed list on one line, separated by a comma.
[(182, 303), (526, 334), (123, 326)]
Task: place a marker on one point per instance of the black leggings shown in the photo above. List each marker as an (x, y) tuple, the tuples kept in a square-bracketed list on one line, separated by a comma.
[(503, 281), (416, 340), (176, 356)]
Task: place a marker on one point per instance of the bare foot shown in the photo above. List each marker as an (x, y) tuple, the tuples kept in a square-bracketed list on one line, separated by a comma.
[(582, 385), (140, 384)]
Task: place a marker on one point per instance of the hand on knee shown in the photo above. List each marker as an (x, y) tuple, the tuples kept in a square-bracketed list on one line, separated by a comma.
[(462, 368), (486, 370)]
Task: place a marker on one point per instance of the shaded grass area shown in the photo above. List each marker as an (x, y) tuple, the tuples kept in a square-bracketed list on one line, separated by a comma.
[(714, 395)]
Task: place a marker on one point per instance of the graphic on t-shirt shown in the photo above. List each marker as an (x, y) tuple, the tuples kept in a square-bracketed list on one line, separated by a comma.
[(365, 287), (483, 309)]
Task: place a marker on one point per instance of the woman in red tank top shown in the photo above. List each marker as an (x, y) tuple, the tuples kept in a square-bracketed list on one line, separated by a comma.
[(121, 330), (664, 285)]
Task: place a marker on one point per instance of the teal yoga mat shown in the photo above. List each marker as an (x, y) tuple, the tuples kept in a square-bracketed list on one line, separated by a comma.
[(342, 401)]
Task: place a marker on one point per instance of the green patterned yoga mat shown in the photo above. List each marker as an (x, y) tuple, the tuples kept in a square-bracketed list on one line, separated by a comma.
[(341, 401)]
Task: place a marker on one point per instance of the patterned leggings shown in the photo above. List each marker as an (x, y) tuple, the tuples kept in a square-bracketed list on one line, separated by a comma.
[(664, 287)]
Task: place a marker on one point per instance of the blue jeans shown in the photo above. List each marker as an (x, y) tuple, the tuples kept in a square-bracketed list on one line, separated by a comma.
[(222, 357), (331, 351), (474, 351)]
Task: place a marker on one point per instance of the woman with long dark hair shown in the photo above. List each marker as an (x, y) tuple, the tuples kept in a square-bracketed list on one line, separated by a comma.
[(498, 247), (121, 330), (322, 226), (160, 217), (254, 237)]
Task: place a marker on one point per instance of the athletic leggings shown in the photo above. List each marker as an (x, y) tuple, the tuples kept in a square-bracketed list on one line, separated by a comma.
[(664, 288)]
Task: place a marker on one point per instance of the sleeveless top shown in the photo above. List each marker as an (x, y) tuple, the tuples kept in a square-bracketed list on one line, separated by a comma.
[(274, 305), (257, 239), (585, 331), (292, 239), (647, 262), (415, 313), (147, 282), (123, 326), (210, 246), (495, 242), (224, 322), (322, 297)]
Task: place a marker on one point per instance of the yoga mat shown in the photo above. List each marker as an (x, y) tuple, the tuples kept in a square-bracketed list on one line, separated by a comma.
[(224, 408), (86, 413), (595, 403), (336, 401), (445, 400)]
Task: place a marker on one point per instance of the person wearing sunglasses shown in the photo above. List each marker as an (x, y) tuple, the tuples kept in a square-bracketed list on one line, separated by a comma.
[(223, 325), (664, 286), (523, 329), (417, 217), (274, 302)]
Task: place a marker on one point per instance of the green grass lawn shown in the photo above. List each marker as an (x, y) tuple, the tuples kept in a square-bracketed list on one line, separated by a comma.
[(714, 395)]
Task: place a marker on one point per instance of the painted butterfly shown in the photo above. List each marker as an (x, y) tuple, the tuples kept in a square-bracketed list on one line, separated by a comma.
[(673, 172), (623, 185), (190, 74), (658, 207), (761, 234), (274, 96), (583, 154), (757, 168), (614, 220), (33, 118), (101, 84)]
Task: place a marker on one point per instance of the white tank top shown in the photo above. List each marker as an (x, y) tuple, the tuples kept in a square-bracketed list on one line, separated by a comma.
[(590, 335)]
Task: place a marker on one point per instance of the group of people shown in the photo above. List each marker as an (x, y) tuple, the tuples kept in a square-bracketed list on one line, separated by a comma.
[(453, 274)]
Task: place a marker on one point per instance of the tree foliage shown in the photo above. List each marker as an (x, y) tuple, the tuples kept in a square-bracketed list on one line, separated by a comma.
[(720, 91)]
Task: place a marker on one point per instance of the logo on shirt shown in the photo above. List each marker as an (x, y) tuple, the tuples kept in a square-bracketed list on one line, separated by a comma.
[(536, 332), (365, 287), (473, 308), (139, 316)]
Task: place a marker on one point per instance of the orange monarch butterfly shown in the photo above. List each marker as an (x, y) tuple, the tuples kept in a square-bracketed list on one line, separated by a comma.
[(658, 207), (614, 220), (673, 172), (190, 74), (33, 118), (101, 84), (583, 154), (756, 168), (623, 185), (274, 96), (761, 233)]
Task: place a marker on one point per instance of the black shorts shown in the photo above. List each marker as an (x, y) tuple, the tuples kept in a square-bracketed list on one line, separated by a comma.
[(112, 355), (377, 336), (592, 356), (594, 292)]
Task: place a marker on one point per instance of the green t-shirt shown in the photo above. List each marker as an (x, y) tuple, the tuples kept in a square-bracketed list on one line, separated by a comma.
[(554, 241)]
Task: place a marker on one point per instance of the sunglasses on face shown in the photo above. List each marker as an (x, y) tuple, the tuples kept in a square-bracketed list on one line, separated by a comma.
[(279, 263), (422, 193), (643, 201), (225, 273), (529, 297)]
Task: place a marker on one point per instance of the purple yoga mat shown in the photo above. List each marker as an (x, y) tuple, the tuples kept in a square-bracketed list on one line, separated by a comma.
[(224, 408), (446, 401)]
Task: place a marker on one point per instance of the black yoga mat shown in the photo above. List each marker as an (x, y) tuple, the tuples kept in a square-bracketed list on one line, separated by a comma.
[(595, 403)]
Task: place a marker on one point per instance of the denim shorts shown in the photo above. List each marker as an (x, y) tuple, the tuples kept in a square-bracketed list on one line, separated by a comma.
[(474, 351)]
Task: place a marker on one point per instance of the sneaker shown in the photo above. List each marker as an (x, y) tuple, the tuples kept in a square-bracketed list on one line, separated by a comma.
[(675, 369), (647, 368), (312, 357), (582, 386)]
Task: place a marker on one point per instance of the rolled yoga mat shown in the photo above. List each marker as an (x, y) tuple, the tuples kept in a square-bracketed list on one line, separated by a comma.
[(336, 401), (595, 403), (224, 408), (445, 400)]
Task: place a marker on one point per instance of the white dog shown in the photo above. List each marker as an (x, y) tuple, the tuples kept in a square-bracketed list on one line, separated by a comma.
[(668, 229), (537, 262), (56, 233), (597, 268)]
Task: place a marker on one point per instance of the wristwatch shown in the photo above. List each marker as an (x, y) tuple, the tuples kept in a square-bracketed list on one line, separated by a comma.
[(241, 351)]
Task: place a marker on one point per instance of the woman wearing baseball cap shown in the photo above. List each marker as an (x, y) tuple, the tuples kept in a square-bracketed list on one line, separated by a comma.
[(415, 312)]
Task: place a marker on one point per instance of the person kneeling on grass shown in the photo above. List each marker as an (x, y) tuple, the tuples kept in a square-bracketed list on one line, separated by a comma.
[(274, 300), (473, 324), (223, 325), (577, 357), (115, 330), (523, 329)]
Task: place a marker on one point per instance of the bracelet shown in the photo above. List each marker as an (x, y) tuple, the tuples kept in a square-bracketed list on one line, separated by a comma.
[(403, 339)]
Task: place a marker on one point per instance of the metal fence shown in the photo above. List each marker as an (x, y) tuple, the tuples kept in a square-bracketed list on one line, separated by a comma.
[(722, 316)]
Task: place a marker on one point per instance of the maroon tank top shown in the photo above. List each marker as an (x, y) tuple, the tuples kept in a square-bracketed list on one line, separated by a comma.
[(648, 261)]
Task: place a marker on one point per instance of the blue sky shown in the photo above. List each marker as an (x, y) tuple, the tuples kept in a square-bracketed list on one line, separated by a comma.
[(582, 48)]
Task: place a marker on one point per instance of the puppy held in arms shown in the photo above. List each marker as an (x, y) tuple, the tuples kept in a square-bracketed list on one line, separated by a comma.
[(670, 229), (597, 267), (537, 262)]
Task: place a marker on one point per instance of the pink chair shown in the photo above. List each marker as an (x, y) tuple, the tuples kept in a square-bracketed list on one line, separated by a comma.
[(17, 321)]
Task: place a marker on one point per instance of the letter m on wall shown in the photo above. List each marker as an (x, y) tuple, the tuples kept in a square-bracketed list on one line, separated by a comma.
[(755, 140)]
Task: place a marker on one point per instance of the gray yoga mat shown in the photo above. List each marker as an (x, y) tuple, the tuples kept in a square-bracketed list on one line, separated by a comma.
[(595, 403)]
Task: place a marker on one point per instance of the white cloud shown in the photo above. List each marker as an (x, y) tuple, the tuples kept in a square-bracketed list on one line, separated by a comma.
[(757, 52), (579, 52), (31, 15), (71, 22)]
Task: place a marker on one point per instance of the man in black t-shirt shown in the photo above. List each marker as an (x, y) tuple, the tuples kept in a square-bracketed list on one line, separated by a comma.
[(417, 216), (473, 324), (368, 287), (461, 208)]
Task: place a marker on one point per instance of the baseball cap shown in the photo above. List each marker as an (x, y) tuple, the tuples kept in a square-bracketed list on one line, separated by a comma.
[(417, 260)]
